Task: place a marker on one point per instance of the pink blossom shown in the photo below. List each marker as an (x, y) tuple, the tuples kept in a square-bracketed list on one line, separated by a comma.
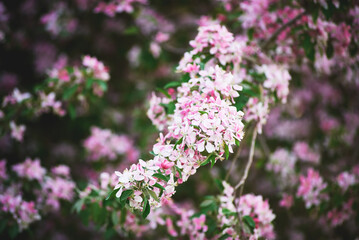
[(277, 79), (61, 170), (155, 49), (162, 37), (261, 213), (282, 164), (286, 201), (17, 131), (104, 144), (170, 228), (16, 97), (60, 188), (99, 70), (258, 111), (338, 216), (117, 6), (23, 212), (303, 152), (3, 174), (345, 180), (30, 169), (311, 187)]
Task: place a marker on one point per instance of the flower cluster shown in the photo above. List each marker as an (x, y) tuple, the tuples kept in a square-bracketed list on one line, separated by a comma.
[(70, 84), (156, 113), (117, 6), (217, 41), (247, 205), (204, 126), (257, 111), (30, 169), (311, 187), (304, 153), (104, 144), (60, 21), (227, 222), (282, 163), (93, 75), (48, 190), (258, 209), (23, 212)]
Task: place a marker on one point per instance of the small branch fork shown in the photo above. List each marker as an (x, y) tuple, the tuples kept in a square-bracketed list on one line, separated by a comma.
[(249, 163), (281, 29)]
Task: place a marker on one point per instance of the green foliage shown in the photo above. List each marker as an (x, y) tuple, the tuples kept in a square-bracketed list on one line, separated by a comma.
[(249, 224)]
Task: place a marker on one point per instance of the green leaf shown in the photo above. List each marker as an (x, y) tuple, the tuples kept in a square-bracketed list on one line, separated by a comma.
[(227, 212), (123, 215), (131, 31), (146, 208), (72, 111), (179, 171), (237, 142), (185, 77), (308, 46), (226, 150), (172, 85), (213, 160), (69, 92), (203, 112), (157, 185), (89, 82), (2, 225), (164, 92), (102, 84), (179, 141), (112, 194), (330, 49), (249, 222), (169, 107), (207, 160), (13, 231), (219, 184), (224, 236), (250, 34), (114, 218), (161, 176), (99, 213), (153, 195), (206, 203), (314, 10), (78, 205), (126, 194)]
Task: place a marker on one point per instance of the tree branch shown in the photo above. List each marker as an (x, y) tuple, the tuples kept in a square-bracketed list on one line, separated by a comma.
[(281, 29), (233, 162), (249, 163)]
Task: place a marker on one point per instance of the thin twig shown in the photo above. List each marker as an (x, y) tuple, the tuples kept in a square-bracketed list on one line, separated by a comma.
[(233, 162), (282, 28), (173, 49), (250, 160), (264, 145)]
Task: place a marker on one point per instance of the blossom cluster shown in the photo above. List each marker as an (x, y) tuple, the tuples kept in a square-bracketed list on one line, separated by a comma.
[(48, 189), (104, 144), (247, 205), (204, 126), (117, 6), (311, 187), (217, 41), (282, 163), (93, 75), (65, 86), (178, 219)]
